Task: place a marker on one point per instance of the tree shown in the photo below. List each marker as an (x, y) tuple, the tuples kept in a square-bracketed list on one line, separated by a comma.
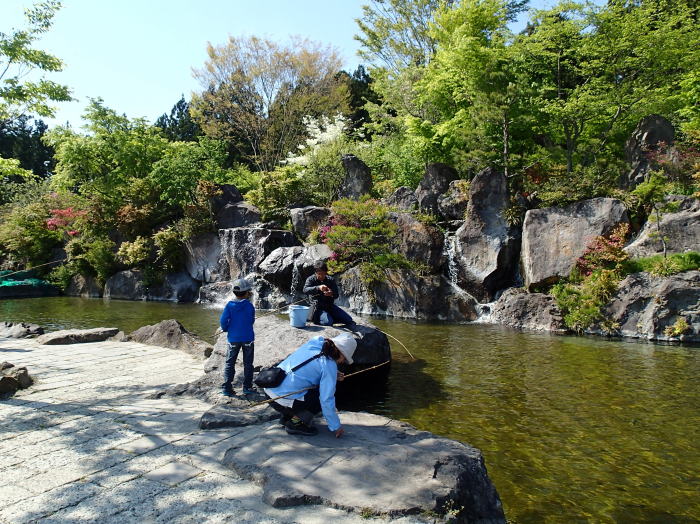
[(179, 126), (22, 139), (18, 94), (256, 93)]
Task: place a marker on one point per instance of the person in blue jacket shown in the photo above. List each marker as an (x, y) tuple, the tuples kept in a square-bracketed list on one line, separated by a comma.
[(237, 321), (320, 375)]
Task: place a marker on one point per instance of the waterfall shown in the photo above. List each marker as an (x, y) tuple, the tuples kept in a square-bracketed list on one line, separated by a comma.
[(296, 276), (485, 312), (449, 250)]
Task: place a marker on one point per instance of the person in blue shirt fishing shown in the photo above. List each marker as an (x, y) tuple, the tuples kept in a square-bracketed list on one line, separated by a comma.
[(319, 376), (237, 321)]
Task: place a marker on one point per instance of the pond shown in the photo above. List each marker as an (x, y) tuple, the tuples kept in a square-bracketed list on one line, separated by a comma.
[(572, 429)]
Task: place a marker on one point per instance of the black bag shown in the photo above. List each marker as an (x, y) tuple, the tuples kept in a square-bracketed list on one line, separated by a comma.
[(274, 376)]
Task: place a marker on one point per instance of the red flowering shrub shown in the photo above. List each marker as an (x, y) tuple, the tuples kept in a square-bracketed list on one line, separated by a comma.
[(605, 252)]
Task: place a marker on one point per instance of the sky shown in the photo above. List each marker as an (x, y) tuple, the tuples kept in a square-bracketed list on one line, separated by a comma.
[(138, 55)]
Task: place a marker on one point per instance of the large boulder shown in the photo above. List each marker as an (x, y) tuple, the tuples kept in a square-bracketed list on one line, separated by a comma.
[(85, 286), (126, 285), (418, 241), (172, 334), (358, 178), (215, 294), (403, 198), (203, 258), (227, 194), (434, 183), (244, 248), (175, 287), (486, 247), (307, 219), (275, 338), (519, 309), (289, 267), (680, 229), (554, 237), (359, 472), (403, 294), (76, 336), (13, 378), (453, 203), (20, 330), (240, 214), (653, 134), (645, 306)]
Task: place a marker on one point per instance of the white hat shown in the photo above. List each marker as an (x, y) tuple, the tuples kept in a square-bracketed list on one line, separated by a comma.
[(347, 344)]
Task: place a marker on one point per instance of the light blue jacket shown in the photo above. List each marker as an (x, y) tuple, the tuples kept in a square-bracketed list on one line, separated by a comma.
[(322, 372)]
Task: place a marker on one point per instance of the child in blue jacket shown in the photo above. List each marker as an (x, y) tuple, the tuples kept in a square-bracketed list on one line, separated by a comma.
[(237, 320)]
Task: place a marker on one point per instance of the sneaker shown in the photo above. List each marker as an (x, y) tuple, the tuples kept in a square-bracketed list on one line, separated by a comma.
[(228, 393), (249, 391), (299, 428)]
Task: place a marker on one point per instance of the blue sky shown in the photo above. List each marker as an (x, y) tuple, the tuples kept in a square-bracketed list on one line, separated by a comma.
[(138, 55)]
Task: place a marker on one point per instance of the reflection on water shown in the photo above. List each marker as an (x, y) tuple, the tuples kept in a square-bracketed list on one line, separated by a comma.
[(572, 429)]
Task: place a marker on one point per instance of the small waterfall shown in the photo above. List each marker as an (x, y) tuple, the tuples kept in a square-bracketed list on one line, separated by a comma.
[(449, 250), (485, 312), (296, 276)]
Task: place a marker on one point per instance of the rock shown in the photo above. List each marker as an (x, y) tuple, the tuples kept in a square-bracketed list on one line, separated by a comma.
[(77, 336), (176, 287), (554, 237), (8, 385), (6, 365), (237, 215), (681, 230), (486, 248), (519, 309), (289, 267), (216, 293), (20, 330), (419, 242), (435, 182), (645, 305), (307, 219), (203, 258), (403, 294), (403, 198), (245, 247), (84, 286), (359, 471), (358, 179), (229, 194), (172, 334), (119, 337), (453, 204), (652, 132), (275, 338), (126, 285), (21, 376), (234, 416)]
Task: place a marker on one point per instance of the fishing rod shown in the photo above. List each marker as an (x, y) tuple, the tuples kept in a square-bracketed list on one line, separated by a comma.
[(40, 265), (312, 387)]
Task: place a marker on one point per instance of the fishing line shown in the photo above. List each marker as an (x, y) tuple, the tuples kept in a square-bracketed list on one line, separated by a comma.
[(40, 265)]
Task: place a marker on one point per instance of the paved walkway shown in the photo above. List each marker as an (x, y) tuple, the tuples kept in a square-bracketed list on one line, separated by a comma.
[(85, 444)]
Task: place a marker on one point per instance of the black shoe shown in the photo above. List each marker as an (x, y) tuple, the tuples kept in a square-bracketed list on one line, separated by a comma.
[(299, 428), (283, 420)]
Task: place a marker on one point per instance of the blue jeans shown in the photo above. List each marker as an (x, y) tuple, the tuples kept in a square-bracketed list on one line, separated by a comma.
[(334, 315), (229, 366)]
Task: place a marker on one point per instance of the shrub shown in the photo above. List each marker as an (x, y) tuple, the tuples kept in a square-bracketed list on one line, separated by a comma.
[(169, 248), (92, 256), (279, 190), (658, 265), (678, 328), (135, 253), (605, 252), (581, 304)]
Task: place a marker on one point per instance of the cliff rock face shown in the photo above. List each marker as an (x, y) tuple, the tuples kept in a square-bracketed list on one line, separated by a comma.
[(84, 286), (126, 285), (453, 204), (651, 133), (405, 295), (239, 214), (403, 198), (486, 247), (244, 248), (434, 183), (645, 305), (554, 237), (129, 285), (358, 179), (519, 309), (289, 267), (680, 229), (203, 258)]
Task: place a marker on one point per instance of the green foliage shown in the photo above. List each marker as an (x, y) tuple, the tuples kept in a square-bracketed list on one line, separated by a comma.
[(22, 138), (605, 252), (664, 266), (18, 57), (136, 253), (179, 126), (24, 237), (92, 255), (170, 248), (278, 190), (243, 178), (581, 303), (678, 328), (12, 178)]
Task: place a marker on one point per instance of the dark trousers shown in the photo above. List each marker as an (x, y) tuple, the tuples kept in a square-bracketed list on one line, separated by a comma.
[(305, 409), (229, 366), (330, 315)]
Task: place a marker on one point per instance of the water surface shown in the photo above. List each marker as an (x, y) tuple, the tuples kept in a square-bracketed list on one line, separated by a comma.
[(572, 429)]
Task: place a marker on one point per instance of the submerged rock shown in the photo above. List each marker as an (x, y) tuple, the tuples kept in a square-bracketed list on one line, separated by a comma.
[(379, 467), (77, 336), (172, 334), (20, 330)]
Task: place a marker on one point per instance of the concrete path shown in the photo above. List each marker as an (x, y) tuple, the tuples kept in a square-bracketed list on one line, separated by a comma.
[(85, 444)]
